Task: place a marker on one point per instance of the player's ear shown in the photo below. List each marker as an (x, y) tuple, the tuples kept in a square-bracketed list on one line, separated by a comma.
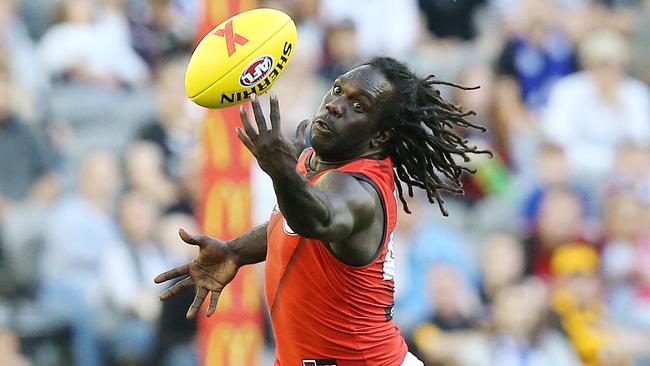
[(381, 137)]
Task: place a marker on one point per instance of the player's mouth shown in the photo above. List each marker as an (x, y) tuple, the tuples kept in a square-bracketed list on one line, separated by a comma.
[(322, 126)]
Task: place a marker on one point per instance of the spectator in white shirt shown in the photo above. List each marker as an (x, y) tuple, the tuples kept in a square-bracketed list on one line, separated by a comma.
[(79, 229), (28, 79), (91, 45), (593, 113), (383, 26), (126, 270)]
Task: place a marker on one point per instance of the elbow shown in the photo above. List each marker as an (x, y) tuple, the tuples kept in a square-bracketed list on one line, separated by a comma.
[(308, 228), (318, 230), (306, 221), (315, 222)]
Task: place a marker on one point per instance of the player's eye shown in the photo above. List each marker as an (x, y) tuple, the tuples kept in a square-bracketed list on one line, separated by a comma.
[(357, 106), (336, 90)]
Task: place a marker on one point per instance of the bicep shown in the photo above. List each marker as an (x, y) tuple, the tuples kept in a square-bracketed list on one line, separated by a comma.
[(350, 205)]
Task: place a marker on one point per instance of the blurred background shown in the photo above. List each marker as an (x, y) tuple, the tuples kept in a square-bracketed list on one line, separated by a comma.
[(544, 261)]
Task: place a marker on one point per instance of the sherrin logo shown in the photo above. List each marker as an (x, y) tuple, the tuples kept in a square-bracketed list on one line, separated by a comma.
[(265, 81), (256, 71)]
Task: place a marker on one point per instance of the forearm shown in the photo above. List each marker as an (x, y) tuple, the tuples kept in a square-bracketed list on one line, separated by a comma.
[(250, 248), (305, 207), (308, 210)]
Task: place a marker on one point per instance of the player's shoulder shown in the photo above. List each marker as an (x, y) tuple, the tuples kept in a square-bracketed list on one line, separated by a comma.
[(356, 190), (348, 181)]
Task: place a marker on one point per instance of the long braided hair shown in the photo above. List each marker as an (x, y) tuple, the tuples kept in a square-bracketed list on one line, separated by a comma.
[(425, 143)]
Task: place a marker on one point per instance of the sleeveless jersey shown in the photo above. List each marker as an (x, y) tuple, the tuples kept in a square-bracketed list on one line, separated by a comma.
[(323, 311)]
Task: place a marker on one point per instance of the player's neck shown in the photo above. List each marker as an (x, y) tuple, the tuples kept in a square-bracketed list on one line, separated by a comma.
[(318, 164)]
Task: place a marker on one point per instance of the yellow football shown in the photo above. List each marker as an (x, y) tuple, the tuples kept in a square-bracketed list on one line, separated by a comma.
[(243, 55)]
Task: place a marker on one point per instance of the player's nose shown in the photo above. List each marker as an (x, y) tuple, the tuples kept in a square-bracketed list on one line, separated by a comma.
[(333, 108)]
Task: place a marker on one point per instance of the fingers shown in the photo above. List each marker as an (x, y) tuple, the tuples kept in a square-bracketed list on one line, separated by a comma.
[(176, 272), (201, 293), (245, 140), (248, 127), (275, 114), (300, 141), (191, 239), (176, 288), (302, 129), (259, 115), (214, 299)]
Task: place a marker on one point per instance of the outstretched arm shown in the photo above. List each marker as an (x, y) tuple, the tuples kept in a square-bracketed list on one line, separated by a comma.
[(330, 211), (250, 248), (215, 266), (334, 208)]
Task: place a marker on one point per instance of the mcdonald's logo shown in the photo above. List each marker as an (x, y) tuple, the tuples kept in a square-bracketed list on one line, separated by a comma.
[(227, 208), (231, 344), (235, 336), (217, 141)]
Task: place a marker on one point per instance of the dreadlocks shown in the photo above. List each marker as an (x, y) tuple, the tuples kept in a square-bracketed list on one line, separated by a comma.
[(424, 143)]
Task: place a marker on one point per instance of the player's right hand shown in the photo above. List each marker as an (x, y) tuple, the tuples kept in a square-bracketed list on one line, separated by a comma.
[(212, 269)]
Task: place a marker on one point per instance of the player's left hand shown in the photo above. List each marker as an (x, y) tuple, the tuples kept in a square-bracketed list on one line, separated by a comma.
[(214, 267), (301, 140), (273, 152)]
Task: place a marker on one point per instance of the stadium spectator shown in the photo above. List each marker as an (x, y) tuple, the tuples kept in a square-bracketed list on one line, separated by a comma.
[(145, 172), (594, 112), (377, 34), (341, 49), (551, 172), (454, 310), (174, 128), (493, 177), (640, 60), (162, 29), (502, 264), (537, 53), (189, 185), (70, 51), (81, 226), (519, 335), (481, 101), (625, 261), (24, 165), (429, 246), (631, 172), (561, 219), (29, 81), (131, 312), (176, 343), (579, 308), (304, 70), (453, 20), (28, 186), (455, 303)]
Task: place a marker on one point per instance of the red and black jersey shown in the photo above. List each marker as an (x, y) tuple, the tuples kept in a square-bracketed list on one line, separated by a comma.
[(325, 312)]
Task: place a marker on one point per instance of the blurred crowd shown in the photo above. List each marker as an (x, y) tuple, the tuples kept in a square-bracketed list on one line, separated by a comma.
[(544, 261)]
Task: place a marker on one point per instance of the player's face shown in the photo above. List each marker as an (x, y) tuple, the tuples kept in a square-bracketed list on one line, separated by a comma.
[(347, 119)]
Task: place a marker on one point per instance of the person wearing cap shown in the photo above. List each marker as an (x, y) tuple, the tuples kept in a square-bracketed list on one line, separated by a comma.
[(579, 309)]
